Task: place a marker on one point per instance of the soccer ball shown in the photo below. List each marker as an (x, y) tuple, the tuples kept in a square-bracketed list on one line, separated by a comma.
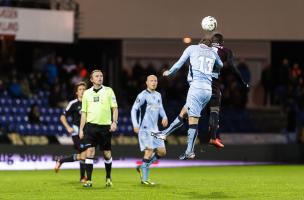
[(209, 23)]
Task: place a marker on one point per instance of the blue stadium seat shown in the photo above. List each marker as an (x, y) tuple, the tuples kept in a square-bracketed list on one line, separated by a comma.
[(25, 103), (50, 110), (21, 128), (43, 110), (14, 110), (16, 102)]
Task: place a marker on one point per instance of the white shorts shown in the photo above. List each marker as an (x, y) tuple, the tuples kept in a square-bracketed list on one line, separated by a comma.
[(147, 141)]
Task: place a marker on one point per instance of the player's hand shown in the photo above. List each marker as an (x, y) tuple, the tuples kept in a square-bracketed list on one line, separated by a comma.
[(81, 135), (136, 130), (247, 87), (166, 73), (113, 127), (165, 122), (70, 130)]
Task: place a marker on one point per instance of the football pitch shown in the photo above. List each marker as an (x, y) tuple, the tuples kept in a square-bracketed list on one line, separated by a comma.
[(232, 182)]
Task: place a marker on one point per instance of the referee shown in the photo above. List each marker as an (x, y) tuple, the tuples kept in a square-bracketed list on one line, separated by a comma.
[(98, 119)]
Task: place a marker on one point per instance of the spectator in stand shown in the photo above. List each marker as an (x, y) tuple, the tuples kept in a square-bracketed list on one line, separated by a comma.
[(79, 74), (14, 89), (83, 72), (267, 84), (70, 66), (55, 98), (282, 76), (296, 75), (34, 115), (51, 71), (25, 88), (2, 86)]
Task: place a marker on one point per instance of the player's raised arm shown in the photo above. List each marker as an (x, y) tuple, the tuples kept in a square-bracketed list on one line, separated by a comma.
[(218, 62), (230, 61), (138, 102), (179, 63)]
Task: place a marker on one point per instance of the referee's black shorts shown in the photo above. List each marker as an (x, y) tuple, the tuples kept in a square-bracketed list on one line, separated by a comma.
[(97, 135), (78, 143), (216, 96)]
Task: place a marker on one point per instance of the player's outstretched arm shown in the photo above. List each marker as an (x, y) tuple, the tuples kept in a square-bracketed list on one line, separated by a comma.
[(231, 63), (179, 63)]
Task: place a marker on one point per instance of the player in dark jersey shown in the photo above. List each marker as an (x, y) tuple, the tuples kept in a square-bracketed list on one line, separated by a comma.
[(226, 56), (74, 110)]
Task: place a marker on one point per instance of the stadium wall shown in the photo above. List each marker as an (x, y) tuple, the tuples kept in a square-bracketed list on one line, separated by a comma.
[(237, 19), (247, 153)]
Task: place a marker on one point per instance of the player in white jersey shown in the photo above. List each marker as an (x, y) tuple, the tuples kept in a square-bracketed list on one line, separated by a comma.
[(202, 62), (145, 114)]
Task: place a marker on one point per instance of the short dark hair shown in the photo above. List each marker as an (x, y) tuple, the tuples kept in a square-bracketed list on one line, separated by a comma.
[(207, 40), (218, 38), (77, 85), (95, 70)]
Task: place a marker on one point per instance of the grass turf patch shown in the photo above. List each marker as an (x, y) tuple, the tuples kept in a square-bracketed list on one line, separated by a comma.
[(233, 182)]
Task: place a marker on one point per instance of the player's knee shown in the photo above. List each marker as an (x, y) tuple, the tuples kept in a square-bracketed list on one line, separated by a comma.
[(193, 120), (183, 114), (82, 156), (161, 152), (90, 152), (107, 155), (148, 153)]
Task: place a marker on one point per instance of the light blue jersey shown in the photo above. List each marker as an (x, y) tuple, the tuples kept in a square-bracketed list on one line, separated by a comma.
[(145, 113), (202, 60), (146, 110)]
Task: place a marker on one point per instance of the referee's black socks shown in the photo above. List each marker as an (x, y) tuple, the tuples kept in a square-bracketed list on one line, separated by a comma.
[(108, 166), (82, 169), (89, 167)]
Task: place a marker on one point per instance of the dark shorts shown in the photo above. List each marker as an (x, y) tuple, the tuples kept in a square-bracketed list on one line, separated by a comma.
[(78, 143), (216, 96), (97, 135)]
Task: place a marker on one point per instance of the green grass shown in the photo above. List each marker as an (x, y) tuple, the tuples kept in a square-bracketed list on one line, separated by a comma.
[(243, 182)]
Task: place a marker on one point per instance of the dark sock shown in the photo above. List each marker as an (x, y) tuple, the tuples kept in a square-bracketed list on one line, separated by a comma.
[(108, 166), (82, 169), (212, 132), (89, 167), (154, 158), (71, 158), (213, 124), (218, 133)]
